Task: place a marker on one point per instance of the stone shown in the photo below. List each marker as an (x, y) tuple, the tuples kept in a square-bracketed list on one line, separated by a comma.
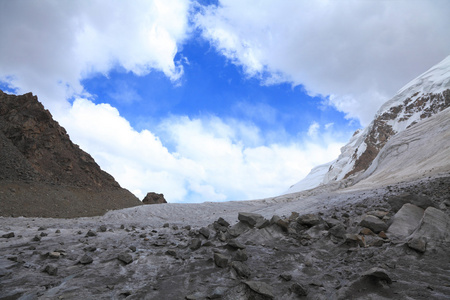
[(250, 218), (36, 238), (405, 221), (222, 236), (241, 269), (195, 244), (286, 276), (220, 260), (378, 273), (154, 198), (354, 240), (419, 244), (205, 232), (222, 222), (172, 252), (102, 228), (373, 223), (396, 202), (86, 259), (338, 231), (125, 258), (240, 255), (366, 231), (51, 269), (261, 288), (299, 289), (54, 254), (235, 244), (218, 292), (309, 220), (8, 235), (238, 229), (434, 227), (377, 213), (284, 225), (91, 233)]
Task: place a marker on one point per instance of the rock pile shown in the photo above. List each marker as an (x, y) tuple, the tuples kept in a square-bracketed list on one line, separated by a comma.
[(366, 250)]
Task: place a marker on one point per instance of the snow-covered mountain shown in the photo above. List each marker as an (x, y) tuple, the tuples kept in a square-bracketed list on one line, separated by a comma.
[(421, 98)]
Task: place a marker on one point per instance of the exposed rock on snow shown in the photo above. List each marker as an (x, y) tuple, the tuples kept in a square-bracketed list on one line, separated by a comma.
[(420, 99)]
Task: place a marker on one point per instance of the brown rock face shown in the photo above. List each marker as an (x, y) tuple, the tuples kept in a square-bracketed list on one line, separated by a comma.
[(154, 198), (50, 176), (381, 131)]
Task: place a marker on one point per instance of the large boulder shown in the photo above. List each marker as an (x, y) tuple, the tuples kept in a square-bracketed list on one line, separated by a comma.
[(154, 198), (434, 228), (251, 219), (396, 202), (373, 223), (405, 221)]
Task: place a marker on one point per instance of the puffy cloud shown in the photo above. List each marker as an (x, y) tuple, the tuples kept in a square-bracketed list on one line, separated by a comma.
[(49, 46), (354, 53), (212, 160)]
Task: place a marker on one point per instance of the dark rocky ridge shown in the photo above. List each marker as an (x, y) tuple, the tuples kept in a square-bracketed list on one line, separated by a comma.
[(44, 174)]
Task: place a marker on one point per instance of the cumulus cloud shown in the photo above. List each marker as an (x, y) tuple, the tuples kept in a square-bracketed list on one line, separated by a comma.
[(211, 160), (356, 54), (49, 46)]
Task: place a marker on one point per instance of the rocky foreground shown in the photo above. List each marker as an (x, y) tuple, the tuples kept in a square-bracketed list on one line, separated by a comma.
[(389, 244)]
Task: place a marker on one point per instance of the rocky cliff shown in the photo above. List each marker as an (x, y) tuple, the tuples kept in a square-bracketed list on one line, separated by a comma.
[(42, 173), (423, 97)]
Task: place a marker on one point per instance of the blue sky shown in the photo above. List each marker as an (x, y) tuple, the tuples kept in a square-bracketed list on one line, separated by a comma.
[(216, 100)]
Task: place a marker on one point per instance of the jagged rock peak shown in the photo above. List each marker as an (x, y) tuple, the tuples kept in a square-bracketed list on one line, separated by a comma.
[(46, 146), (44, 174)]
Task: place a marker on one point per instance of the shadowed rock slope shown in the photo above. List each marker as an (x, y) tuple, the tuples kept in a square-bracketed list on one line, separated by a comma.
[(42, 173)]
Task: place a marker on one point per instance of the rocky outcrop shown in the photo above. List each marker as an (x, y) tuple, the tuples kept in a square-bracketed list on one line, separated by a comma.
[(42, 173), (154, 198)]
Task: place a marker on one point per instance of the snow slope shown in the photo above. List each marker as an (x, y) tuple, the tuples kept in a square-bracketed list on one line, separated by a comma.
[(421, 98)]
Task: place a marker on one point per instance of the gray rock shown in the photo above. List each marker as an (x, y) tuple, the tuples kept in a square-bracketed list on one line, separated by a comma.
[(222, 236), (51, 269), (434, 227), (396, 202), (220, 260), (222, 222), (373, 223), (378, 273), (195, 244), (241, 269), (251, 218), (354, 240), (338, 231), (205, 232), (309, 220), (8, 235), (172, 252), (235, 244), (405, 221), (286, 276), (419, 244), (125, 258), (377, 213), (241, 255), (102, 228), (299, 289), (91, 233), (238, 229), (86, 259), (261, 288), (218, 292)]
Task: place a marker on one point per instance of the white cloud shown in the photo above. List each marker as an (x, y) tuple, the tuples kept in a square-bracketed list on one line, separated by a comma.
[(211, 161), (313, 129), (358, 52), (49, 46)]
